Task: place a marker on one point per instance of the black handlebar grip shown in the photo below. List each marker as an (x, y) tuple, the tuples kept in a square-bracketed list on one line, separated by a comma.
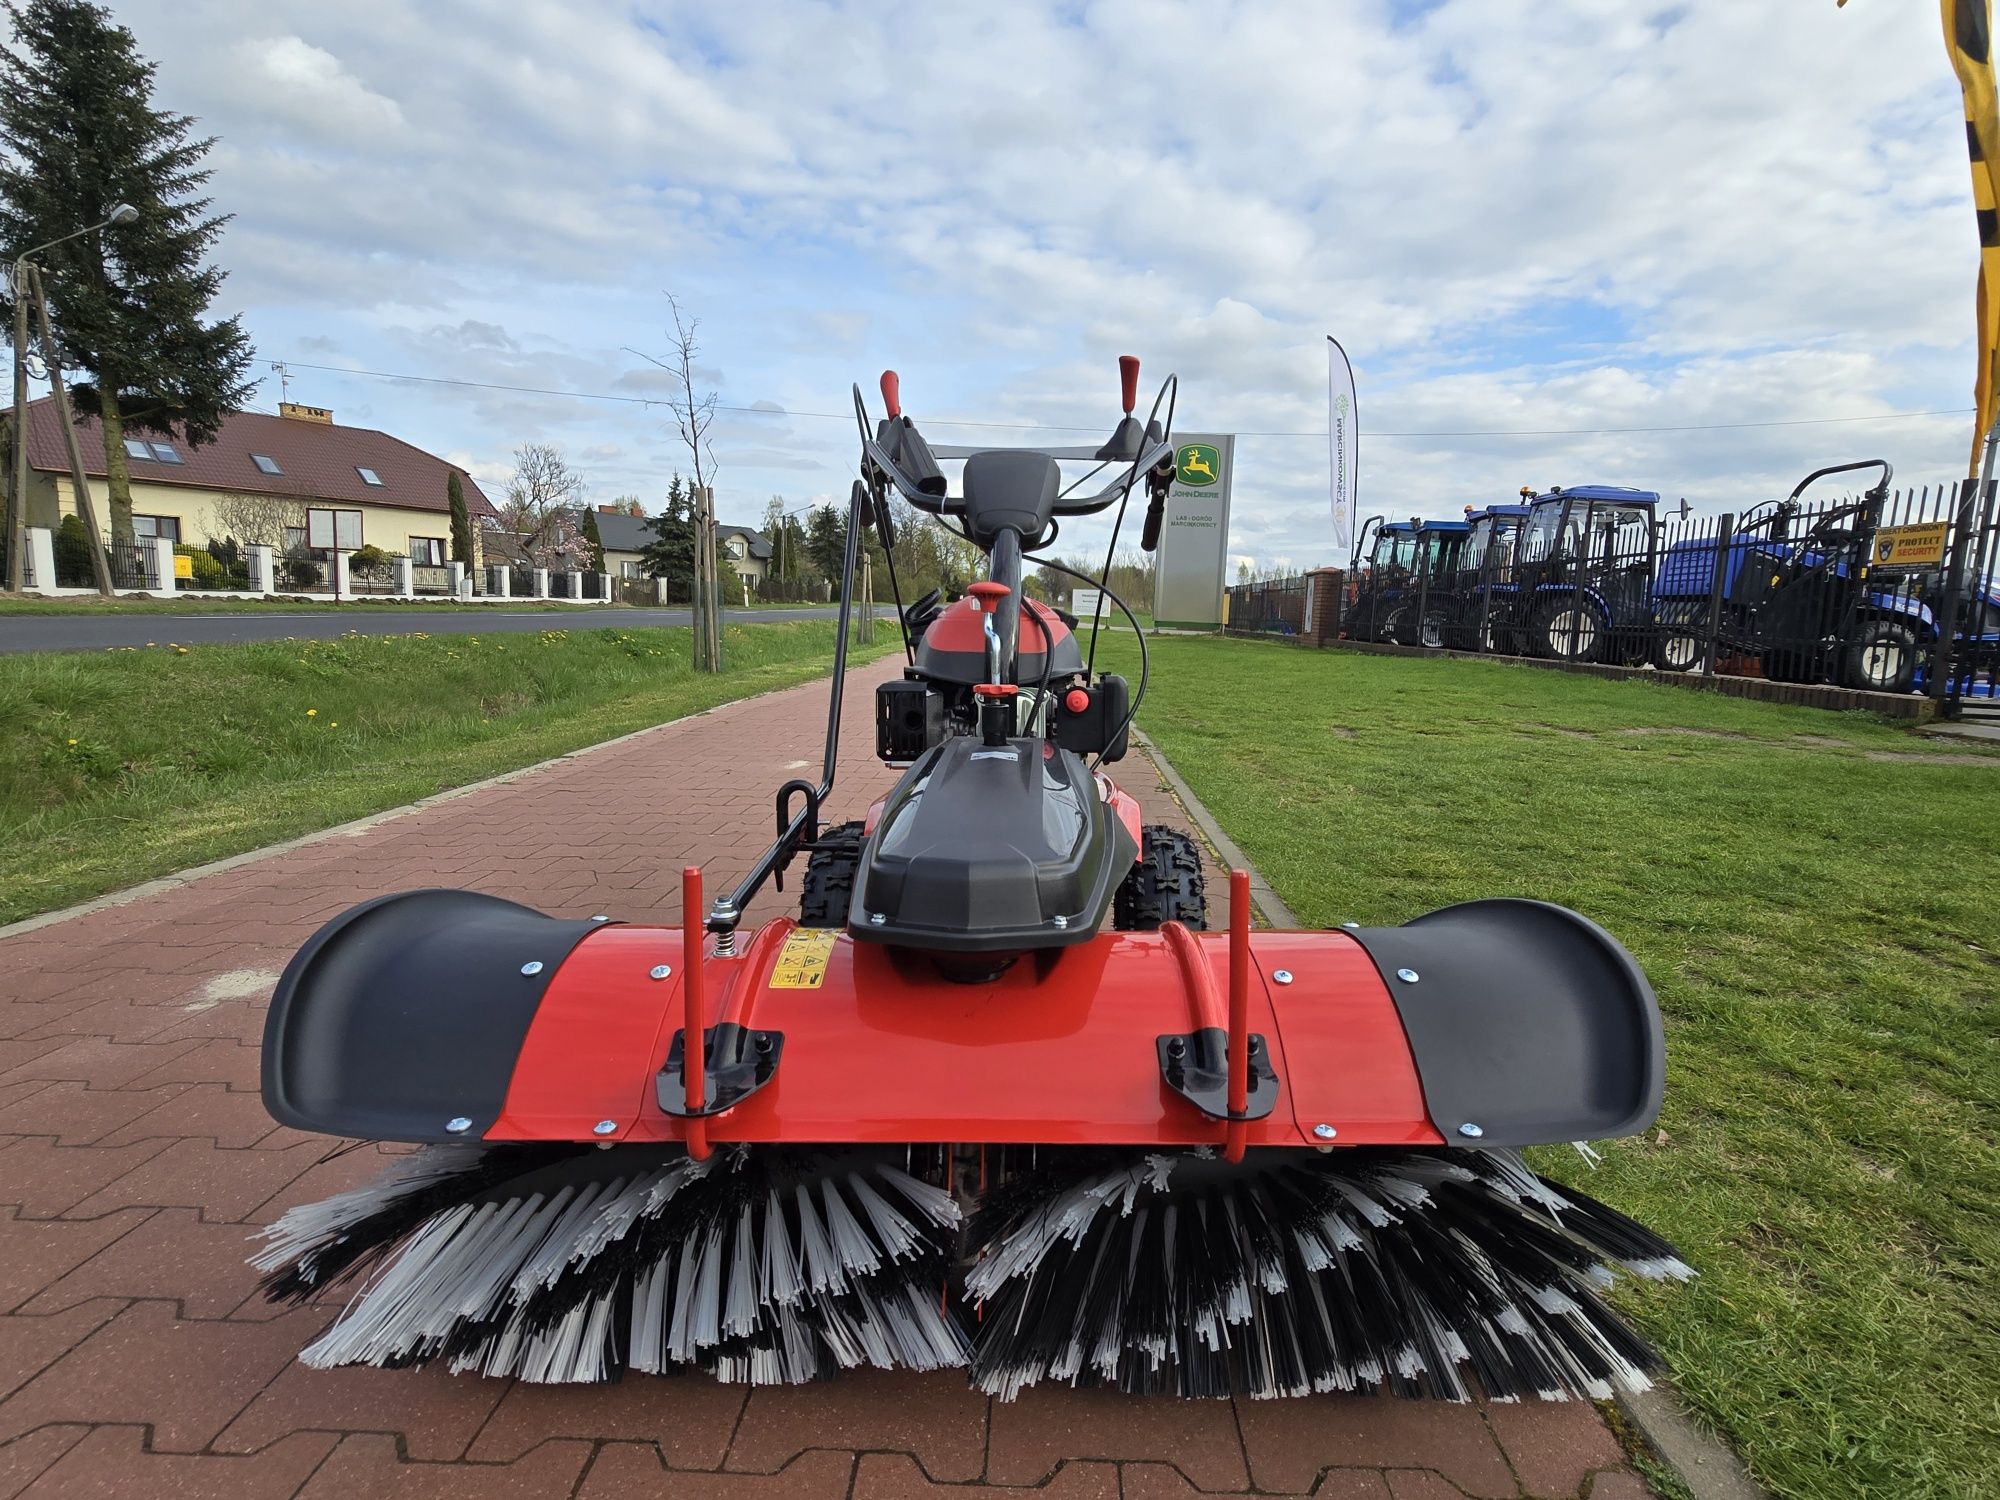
[(1149, 535)]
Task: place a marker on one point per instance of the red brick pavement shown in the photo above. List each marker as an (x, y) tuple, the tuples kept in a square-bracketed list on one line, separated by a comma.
[(134, 1155)]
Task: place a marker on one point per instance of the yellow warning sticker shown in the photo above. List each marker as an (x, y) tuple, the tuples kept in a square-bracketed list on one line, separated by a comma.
[(802, 961)]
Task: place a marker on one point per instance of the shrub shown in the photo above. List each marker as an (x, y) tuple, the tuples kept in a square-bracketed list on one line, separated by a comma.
[(301, 572), (72, 548), (369, 559), (207, 572)]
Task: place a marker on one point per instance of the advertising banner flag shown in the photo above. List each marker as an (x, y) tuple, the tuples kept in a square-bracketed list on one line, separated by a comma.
[(1343, 444), (1968, 40)]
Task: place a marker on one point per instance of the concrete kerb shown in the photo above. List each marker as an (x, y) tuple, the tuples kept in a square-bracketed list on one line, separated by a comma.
[(1706, 1465)]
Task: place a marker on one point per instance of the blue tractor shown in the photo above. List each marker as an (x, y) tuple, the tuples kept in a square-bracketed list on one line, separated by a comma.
[(1485, 596), (1805, 593), (1405, 597), (1584, 575)]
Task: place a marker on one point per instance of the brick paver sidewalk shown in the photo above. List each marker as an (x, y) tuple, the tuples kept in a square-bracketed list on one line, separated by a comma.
[(135, 1154)]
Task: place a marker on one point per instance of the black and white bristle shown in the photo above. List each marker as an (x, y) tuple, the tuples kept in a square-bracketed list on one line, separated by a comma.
[(1419, 1273), (1441, 1273), (559, 1264)]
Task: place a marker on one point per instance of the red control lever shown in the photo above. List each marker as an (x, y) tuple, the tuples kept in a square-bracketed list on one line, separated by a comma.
[(988, 595), (892, 393), (1128, 380)]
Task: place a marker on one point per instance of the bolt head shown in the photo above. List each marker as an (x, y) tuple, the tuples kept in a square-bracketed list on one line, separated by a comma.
[(876, 919), (532, 967), (1470, 1131), (1325, 1132), (660, 971), (1408, 976), (1350, 926), (600, 917), (458, 1124), (1060, 920), (1281, 976), (604, 1127)]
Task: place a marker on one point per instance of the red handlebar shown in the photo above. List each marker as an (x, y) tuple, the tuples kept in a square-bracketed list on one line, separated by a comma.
[(1128, 380), (892, 393)]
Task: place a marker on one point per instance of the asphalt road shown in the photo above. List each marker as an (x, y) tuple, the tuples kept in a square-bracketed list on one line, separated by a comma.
[(96, 632)]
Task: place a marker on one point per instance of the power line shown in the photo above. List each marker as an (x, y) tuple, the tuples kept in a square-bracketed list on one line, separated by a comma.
[(835, 416)]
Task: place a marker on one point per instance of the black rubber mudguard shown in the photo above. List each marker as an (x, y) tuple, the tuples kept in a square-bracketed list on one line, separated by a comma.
[(405, 1015), (1529, 1024)]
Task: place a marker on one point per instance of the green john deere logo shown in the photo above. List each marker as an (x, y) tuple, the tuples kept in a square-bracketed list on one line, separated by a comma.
[(1198, 464)]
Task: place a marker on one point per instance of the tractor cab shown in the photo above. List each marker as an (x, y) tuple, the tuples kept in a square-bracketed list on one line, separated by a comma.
[(1483, 587), (1403, 596), (1585, 573)]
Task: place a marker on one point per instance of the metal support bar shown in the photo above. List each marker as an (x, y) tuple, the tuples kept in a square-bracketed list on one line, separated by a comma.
[(694, 1023), (1718, 593), (1239, 1012)]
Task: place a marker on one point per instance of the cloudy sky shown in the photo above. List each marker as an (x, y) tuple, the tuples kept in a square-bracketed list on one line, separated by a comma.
[(1522, 218)]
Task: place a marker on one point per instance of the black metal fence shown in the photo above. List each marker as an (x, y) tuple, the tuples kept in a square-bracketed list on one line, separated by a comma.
[(1277, 606), (1871, 590), (131, 564), (563, 585)]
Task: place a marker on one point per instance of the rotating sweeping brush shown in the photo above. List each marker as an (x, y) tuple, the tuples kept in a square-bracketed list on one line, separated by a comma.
[(1412, 1272), (566, 1264)]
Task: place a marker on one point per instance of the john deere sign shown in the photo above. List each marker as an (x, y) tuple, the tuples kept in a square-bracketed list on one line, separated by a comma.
[(1194, 537)]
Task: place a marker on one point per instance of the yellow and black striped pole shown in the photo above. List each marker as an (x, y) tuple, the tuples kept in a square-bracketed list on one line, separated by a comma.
[(1968, 37)]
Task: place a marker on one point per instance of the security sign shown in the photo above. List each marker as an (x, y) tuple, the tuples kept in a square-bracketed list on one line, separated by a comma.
[(1916, 546), (801, 962)]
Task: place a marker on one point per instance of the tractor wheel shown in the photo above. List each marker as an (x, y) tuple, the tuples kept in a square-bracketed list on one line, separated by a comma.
[(1570, 630), (1882, 659), (1164, 886), (1393, 626), (828, 885), (1680, 640)]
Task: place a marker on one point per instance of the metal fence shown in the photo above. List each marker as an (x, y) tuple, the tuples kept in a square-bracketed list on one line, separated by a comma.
[(429, 578), (131, 565), (1278, 606), (563, 585), (1876, 591)]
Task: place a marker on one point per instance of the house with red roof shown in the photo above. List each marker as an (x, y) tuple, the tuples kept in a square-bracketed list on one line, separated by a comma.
[(262, 473)]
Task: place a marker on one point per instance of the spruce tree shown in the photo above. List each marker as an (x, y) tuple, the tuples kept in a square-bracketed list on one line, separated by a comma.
[(78, 134), (461, 521)]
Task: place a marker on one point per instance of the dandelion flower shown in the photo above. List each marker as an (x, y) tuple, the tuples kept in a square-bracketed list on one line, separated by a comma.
[(72, 742), (312, 713)]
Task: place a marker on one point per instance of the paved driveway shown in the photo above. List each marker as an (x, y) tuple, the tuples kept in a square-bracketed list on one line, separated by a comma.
[(135, 1154)]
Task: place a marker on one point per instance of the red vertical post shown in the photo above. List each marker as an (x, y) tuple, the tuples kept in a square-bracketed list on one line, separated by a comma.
[(1239, 1011), (694, 1022)]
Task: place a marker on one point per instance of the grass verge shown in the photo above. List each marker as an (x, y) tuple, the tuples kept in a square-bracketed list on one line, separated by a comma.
[(1812, 896), (285, 604), (119, 766)]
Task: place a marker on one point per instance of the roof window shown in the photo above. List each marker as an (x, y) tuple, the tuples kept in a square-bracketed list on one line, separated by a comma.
[(368, 476), (165, 453), (265, 463), (136, 448)]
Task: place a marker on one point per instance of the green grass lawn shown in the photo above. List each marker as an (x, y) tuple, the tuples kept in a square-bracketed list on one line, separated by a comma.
[(116, 766), (1813, 896)]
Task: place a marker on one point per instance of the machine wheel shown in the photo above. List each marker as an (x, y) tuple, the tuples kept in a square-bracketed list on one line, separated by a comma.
[(1164, 886), (828, 885), (1390, 629), (1570, 630), (1882, 659), (1680, 642)]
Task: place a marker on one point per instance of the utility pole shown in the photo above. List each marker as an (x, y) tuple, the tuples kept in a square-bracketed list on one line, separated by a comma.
[(100, 567), (17, 521), (17, 499)]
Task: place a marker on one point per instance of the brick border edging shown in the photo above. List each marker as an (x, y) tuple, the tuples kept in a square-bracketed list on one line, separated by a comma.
[(1911, 707), (1704, 1463)]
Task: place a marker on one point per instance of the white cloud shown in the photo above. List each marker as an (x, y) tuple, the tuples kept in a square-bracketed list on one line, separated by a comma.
[(1517, 215)]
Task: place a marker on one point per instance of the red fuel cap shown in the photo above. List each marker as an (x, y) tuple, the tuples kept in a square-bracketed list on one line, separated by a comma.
[(1077, 701)]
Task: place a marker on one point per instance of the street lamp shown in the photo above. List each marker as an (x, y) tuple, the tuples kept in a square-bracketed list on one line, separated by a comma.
[(121, 213)]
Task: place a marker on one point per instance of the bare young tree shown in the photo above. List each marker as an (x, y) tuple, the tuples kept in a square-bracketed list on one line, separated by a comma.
[(544, 497), (694, 414), (258, 520)]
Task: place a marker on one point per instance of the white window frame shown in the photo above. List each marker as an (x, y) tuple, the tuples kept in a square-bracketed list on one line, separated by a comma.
[(370, 477), (155, 521)]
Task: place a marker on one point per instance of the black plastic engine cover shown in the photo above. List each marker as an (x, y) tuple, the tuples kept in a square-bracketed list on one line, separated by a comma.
[(991, 849)]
